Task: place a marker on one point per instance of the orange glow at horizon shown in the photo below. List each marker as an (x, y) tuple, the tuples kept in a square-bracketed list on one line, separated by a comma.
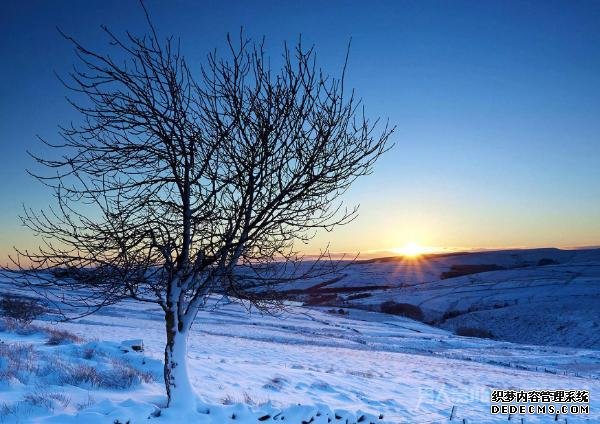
[(412, 250)]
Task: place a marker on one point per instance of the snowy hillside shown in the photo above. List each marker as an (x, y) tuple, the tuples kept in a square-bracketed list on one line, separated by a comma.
[(329, 362), (361, 364), (540, 296)]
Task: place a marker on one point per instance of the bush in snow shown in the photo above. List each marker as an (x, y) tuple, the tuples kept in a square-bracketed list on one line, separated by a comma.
[(316, 299), (11, 325), (120, 375), (56, 337), (452, 313), (22, 362), (546, 261), (34, 400), (126, 375), (403, 309), (90, 401), (340, 311), (359, 296), (21, 309), (17, 360), (474, 332), (8, 409), (38, 399), (246, 398)]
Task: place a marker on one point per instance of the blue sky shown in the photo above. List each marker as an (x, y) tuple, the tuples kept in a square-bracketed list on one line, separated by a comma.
[(497, 106)]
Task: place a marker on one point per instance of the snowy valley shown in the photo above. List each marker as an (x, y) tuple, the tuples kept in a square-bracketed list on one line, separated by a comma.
[(339, 362)]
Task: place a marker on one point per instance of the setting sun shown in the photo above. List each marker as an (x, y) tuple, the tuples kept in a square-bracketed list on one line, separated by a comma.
[(411, 250)]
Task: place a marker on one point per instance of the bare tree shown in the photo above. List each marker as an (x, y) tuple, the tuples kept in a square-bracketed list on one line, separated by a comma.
[(173, 187)]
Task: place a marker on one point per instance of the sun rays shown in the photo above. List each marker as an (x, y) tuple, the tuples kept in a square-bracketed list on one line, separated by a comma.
[(412, 250)]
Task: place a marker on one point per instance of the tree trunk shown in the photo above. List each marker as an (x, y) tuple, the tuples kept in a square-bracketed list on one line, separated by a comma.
[(179, 389)]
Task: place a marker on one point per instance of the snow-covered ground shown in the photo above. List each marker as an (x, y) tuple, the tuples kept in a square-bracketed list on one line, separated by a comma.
[(538, 296), (542, 307), (249, 366)]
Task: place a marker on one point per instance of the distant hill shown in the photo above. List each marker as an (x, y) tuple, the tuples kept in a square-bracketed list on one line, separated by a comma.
[(537, 296)]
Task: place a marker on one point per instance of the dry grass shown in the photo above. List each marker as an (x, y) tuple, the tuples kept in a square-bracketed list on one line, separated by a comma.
[(88, 353), (57, 337), (11, 325), (22, 362), (121, 375), (90, 401), (17, 360), (246, 398)]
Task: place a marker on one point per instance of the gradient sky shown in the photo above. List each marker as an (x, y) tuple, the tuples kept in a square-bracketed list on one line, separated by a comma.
[(497, 106)]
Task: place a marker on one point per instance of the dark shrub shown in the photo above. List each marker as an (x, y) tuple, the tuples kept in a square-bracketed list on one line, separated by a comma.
[(340, 311), (65, 273), (120, 376), (91, 276), (359, 296), (474, 332), (460, 270), (57, 337), (321, 299), (452, 313), (403, 309), (21, 309)]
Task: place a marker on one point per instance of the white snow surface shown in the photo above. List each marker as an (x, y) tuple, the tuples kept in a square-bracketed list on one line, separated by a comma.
[(313, 363), (297, 363)]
